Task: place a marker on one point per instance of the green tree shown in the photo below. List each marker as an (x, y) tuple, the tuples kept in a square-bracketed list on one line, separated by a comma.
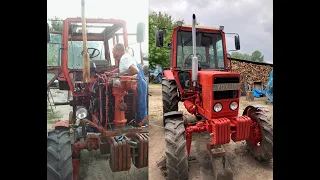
[(56, 24), (246, 56), (257, 56), (160, 55), (236, 55)]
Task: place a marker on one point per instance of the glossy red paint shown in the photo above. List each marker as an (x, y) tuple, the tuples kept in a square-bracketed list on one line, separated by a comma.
[(168, 74), (191, 108), (199, 127), (255, 134), (242, 128), (239, 127)]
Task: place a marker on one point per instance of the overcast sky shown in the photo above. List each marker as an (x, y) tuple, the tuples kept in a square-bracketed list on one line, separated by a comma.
[(118, 9), (251, 19)]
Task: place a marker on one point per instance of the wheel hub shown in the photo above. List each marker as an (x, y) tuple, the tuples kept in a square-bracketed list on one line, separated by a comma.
[(255, 135)]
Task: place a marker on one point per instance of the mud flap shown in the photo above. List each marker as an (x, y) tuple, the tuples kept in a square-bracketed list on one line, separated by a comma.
[(171, 114)]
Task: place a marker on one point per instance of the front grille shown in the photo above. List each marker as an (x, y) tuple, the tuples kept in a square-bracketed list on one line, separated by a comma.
[(217, 95), (221, 80)]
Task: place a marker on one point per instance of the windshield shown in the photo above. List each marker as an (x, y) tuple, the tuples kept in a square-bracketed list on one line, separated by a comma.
[(208, 47), (75, 49)]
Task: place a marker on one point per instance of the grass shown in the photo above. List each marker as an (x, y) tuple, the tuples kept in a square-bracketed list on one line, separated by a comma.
[(52, 116)]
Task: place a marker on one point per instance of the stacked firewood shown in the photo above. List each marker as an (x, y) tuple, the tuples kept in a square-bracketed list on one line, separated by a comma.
[(252, 72)]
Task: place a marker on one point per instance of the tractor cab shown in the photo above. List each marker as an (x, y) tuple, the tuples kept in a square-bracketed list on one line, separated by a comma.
[(210, 49), (65, 49)]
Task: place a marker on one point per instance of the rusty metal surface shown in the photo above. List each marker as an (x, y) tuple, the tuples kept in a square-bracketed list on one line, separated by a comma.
[(216, 151), (220, 164), (60, 123), (113, 155), (75, 166), (120, 132), (120, 157), (104, 145), (93, 142), (140, 153)]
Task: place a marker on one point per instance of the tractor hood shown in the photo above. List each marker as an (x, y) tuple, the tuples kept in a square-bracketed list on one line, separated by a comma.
[(207, 77)]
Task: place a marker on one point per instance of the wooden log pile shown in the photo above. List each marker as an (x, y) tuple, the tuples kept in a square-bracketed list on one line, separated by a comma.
[(253, 72)]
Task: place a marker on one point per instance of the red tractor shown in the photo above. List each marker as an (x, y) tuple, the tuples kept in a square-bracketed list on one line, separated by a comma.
[(200, 77), (104, 108)]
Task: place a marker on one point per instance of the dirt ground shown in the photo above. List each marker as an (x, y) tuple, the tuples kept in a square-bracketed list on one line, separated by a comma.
[(93, 166), (244, 166)]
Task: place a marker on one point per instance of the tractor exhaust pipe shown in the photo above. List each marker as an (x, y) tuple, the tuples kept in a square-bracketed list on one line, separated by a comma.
[(85, 58), (195, 58)]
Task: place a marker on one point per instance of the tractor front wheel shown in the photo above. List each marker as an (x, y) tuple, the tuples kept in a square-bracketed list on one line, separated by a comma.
[(170, 98), (260, 142), (176, 150), (59, 155)]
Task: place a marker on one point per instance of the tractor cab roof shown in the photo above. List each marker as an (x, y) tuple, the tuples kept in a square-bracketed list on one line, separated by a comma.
[(95, 27), (200, 27)]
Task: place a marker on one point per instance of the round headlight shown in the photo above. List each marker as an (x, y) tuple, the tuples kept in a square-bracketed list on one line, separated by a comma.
[(116, 82), (233, 105), (81, 113), (217, 107)]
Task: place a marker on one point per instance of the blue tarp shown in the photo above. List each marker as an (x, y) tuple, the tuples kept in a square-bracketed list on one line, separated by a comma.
[(141, 102), (257, 93), (269, 88)]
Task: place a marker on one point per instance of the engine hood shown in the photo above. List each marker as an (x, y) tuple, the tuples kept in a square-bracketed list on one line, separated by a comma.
[(207, 77)]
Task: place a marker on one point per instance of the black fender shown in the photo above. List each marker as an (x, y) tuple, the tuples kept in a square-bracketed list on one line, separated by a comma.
[(171, 114), (257, 106)]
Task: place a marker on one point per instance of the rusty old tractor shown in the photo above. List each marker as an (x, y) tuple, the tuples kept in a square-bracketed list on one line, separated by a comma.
[(104, 109), (201, 78)]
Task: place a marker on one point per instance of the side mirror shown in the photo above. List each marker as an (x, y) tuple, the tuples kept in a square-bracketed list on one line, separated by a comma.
[(48, 33), (159, 38), (237, 42), (140, 32)]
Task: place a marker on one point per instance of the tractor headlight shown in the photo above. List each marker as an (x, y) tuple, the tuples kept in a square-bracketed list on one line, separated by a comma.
[(81, 112), (116, 82), (217, 107), (233, 105)]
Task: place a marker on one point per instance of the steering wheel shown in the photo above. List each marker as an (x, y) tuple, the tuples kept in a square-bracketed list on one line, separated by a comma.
[(91, 55), (188, 60)]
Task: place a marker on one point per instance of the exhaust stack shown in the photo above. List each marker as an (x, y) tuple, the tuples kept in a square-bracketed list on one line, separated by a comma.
[(194, 58), (85, 58)]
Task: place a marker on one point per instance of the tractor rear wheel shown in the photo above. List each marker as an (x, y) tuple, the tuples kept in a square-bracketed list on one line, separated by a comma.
[(176, 150), (59, 155), (170, 98), (260, 142)]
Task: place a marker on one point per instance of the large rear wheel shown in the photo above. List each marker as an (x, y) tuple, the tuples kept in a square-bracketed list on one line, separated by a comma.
[(59, 155), (176, 150), (170, 98), (260, 142)]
